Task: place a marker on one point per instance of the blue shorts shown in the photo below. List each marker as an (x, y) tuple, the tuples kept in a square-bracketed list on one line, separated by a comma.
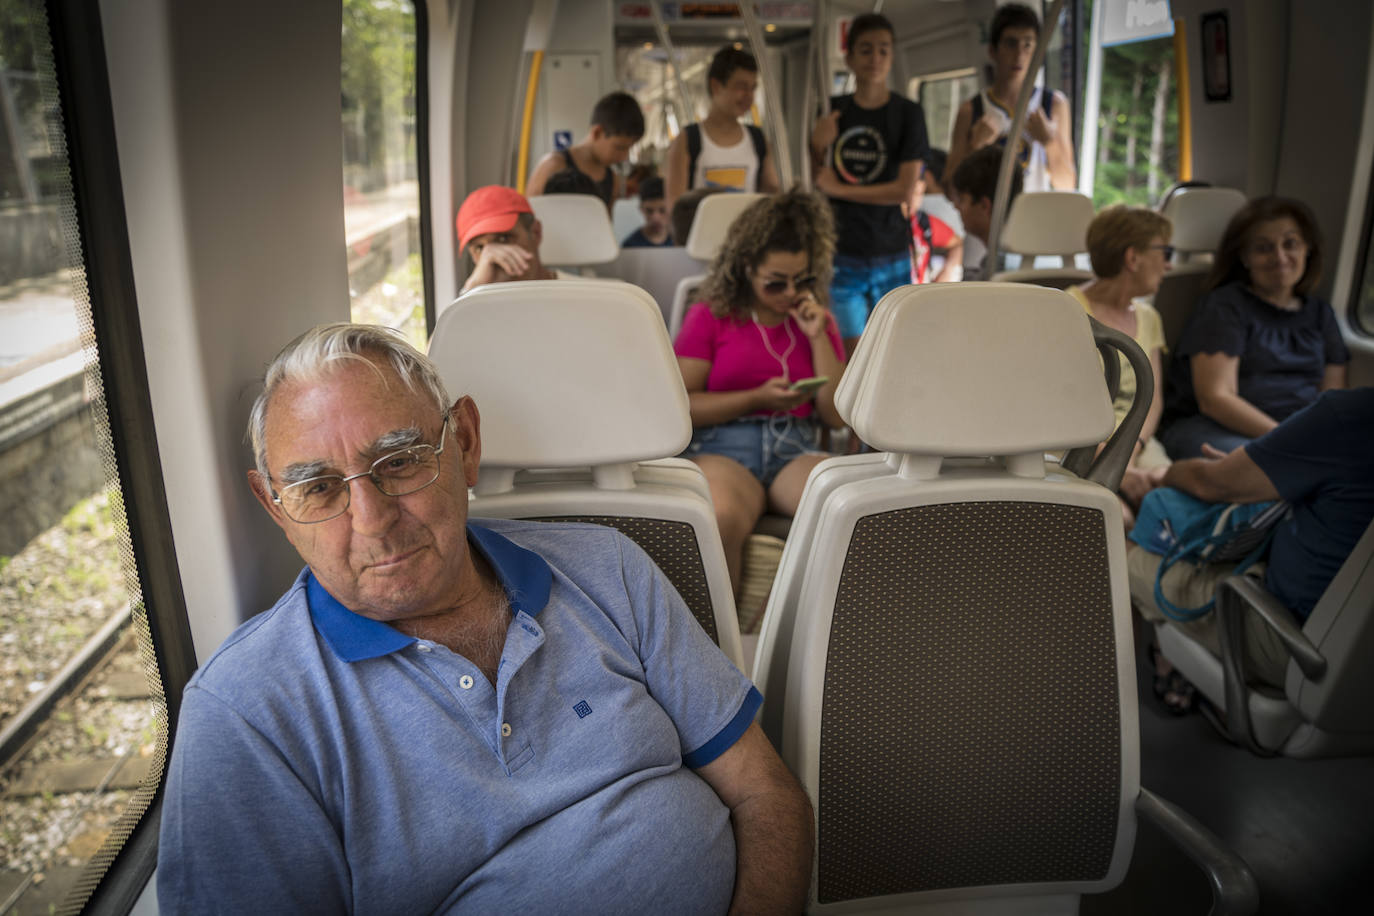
[(860, 282), (764, 445)]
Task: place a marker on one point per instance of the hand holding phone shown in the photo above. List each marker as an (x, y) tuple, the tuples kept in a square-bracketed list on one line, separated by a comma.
[(810, 384)]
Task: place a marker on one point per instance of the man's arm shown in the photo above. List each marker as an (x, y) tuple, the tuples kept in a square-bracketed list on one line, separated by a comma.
[(960, 144), (773, 825), (550, 165), (675, 177), (768, 174), (240, 832), (1234, 478), (1054, 136), (888, 192), (1334, 376)]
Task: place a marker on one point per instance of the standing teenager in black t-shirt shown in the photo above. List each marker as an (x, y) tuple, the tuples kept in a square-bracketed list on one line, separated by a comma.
[(867, 154)]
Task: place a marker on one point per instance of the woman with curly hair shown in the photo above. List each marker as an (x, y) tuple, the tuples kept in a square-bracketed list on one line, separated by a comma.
[(742, 352)]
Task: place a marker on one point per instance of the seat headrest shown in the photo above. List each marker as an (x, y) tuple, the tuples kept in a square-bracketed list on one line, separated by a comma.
[(1200, 215), (1048, 222), (976, 369), (712, 222), (577, 230), (565, 374)]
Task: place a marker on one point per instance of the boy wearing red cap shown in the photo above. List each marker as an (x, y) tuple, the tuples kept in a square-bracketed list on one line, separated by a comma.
[(497, 227)]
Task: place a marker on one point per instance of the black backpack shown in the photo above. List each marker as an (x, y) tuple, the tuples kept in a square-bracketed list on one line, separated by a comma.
[(694, 149)]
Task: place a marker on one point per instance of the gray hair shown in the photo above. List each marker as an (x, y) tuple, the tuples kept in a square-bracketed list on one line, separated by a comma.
[(314, 354)]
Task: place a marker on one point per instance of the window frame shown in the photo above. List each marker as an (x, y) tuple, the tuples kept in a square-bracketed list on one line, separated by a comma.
[(88, 121)]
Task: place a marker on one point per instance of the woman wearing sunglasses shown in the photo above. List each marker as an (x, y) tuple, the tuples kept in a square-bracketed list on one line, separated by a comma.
[(752, 357), (1130, 251)]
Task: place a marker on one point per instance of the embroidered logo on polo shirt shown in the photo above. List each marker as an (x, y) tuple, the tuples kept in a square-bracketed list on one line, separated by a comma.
[(582, 710)]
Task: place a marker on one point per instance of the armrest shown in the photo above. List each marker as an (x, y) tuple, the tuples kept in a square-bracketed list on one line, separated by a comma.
[(1234, 890), (1234, 595), (1278, 618), (1109, 466)]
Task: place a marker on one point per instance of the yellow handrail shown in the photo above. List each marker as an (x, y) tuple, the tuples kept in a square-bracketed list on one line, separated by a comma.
[(1185, 120), (522, 162)]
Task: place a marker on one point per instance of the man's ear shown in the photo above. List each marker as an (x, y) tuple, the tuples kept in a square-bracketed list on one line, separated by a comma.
[(263, 491), (467, 429), (537, 232), (596, 133)]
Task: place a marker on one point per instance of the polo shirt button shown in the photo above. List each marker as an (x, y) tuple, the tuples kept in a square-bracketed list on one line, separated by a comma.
[(505, 729), (465, 682)]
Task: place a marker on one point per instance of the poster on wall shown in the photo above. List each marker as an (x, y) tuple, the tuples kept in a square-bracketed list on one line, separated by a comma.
[(1216, 57)]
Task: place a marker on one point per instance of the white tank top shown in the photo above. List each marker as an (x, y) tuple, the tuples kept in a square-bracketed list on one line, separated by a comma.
[(734, 167), (1031, 154)]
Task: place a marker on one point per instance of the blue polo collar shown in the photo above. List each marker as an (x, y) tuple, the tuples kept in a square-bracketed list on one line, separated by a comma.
[(525, 576)]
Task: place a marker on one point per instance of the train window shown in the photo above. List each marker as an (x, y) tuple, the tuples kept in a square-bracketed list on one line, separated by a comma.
[(381, 165), (940, 95), (1137, 124), (83, 716)]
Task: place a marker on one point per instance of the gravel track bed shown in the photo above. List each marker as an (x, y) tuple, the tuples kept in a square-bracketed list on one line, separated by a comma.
[(55, 593)]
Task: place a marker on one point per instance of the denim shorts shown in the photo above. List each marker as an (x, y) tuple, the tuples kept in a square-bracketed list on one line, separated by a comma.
[(858, 285), (764, 445)]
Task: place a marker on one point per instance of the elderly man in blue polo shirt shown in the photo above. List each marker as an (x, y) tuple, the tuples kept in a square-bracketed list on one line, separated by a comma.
[(443, 715)]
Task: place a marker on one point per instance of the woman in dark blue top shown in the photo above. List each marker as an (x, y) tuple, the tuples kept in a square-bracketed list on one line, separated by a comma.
[(1260, 347)]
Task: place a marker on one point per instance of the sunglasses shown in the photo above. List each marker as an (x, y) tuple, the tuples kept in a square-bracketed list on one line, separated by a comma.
[(1167, 249), (800, 284)]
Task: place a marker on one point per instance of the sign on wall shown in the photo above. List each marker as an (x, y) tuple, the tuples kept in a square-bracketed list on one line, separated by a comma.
[(1125, 21)]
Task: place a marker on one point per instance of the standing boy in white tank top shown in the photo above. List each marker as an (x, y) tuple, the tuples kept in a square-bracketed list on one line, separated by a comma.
[(720, 151), (1045, 149)]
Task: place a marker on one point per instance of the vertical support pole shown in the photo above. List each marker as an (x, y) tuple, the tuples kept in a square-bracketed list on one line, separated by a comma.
[(1092, 101), (777, 123), (522, 165), (689, 113), (1185, 108)]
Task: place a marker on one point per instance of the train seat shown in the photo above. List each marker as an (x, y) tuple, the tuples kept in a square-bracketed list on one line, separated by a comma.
[(1324, 709), (1047, 223), (582, 409), (655, 270), (1199, 217), (945, 589), (625, 217), (709, 229), (577, 230)]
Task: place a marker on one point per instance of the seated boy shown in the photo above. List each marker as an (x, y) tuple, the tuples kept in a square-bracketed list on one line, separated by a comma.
[(654, 209), (617, 125), (972, 187)]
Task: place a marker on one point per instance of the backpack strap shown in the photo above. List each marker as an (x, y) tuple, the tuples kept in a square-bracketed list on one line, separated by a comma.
[(693, 132), (760, 144)]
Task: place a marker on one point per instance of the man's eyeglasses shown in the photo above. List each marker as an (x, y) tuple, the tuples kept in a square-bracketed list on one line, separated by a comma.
[(800, 284), (1167, 249), (319, 499)]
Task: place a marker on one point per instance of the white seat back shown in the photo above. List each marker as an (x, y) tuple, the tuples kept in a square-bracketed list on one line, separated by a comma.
[(577, 230), (655, 270), (564, 374), (1199, 217), (1048, 222), (712, 222), (625, 217), (925, 579)]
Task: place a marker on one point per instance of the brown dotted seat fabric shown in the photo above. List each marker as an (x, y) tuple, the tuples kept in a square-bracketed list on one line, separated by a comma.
[(673, 548), (970, 722)]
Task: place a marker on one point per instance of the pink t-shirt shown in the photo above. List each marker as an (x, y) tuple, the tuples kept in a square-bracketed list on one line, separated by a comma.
[(739, 360)]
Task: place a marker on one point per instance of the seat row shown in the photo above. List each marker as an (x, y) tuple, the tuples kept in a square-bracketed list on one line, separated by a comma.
[(945, 656)]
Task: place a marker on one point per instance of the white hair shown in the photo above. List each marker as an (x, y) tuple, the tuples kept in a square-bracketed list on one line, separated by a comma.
[(316, 353)]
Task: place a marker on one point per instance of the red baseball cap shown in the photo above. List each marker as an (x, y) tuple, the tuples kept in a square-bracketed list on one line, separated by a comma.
[(490, 209)]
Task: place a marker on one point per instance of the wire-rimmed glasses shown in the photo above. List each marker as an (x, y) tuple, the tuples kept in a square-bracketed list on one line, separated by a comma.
[(399, 473)]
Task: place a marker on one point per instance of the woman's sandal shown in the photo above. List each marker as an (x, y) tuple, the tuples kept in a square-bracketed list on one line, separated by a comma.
[(1173, 691)]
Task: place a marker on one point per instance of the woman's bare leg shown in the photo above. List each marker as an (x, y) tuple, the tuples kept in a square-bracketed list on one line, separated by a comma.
[(738, 499), (786, 491)]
